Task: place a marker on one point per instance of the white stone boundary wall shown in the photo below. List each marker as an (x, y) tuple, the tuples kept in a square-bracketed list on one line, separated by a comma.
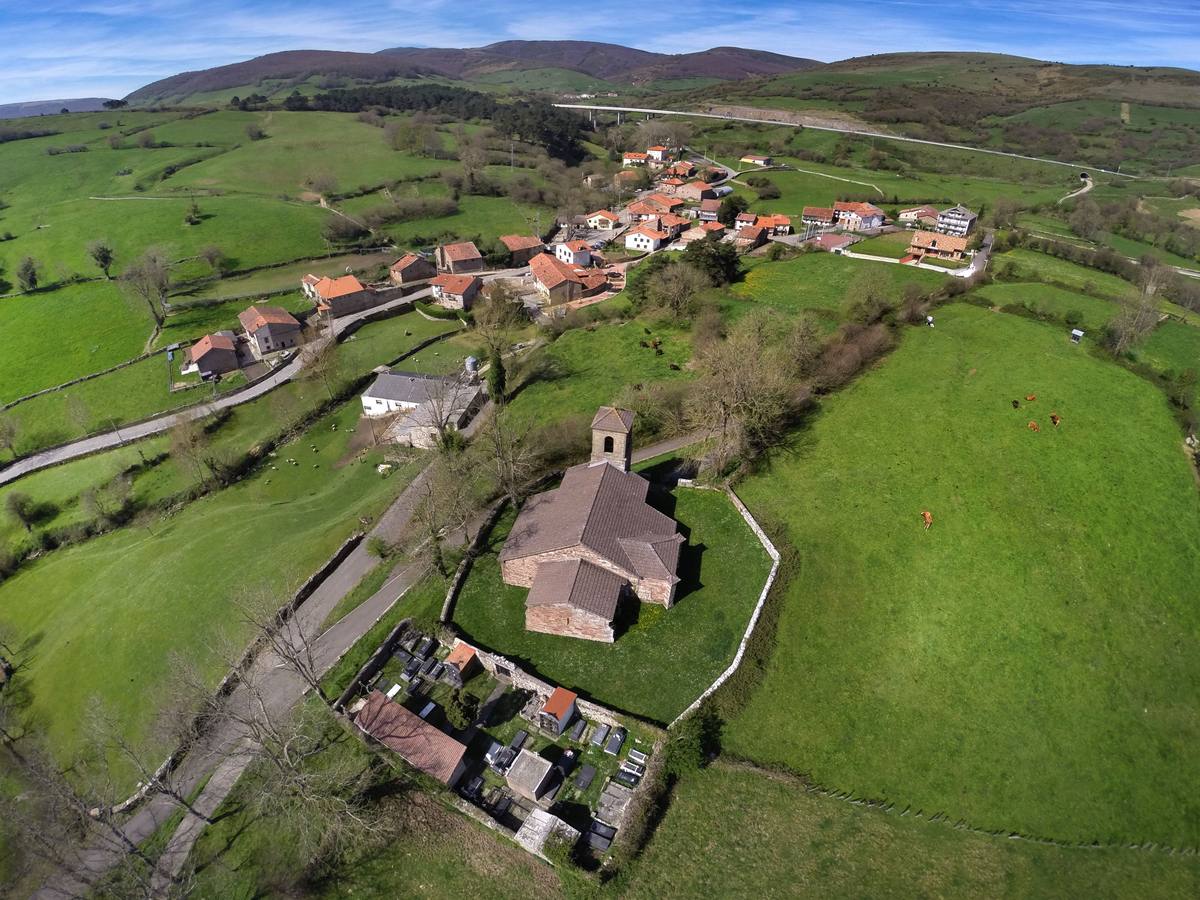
[(762, 598)]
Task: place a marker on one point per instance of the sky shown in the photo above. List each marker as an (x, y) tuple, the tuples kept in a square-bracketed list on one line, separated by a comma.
[(107, 48)]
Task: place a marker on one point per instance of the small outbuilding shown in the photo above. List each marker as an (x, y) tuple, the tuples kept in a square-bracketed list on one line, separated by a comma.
[(558, 710), (1076, 335)]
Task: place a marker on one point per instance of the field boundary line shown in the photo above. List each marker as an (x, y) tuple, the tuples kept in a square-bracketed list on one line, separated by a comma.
[(736, 763), (758, 607)]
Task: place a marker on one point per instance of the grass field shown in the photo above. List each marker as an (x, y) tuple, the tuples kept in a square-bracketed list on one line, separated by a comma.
[(822, 282), (1172, 348), (53, 337), (1019, 665), (1046, 298), (1029, 265), (585, 369), (667, 657), (103, 616), (893, 246), (736, 833)]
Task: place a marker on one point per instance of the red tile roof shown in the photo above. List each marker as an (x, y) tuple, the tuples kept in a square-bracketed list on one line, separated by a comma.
[(578, 245), (634, 154), (713, 226), (257, 317), (674, 182), (550, 271), (710, 205), (751, 233), (603, 213), (455, 284), (331, 288), (818, 212), (461, 656), (773, 221), (515, 242), (860, 209), (928, 240), (560, 702), (460, 252), (649, 230), (831, 242), (208, 343), (659, 148), (422, 745), (405, 261)]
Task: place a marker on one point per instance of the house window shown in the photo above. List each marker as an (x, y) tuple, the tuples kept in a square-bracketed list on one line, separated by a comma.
[(608, 444)]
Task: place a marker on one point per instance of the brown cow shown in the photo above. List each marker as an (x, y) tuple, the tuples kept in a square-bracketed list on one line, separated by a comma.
[(927, 518), (1055, 418), (1033, 426), (1031, 397)]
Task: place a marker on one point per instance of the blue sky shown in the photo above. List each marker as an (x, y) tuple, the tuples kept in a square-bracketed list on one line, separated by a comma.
[(110, 47)]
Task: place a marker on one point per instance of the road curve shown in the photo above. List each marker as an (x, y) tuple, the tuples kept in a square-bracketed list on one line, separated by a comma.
[(871, 134)]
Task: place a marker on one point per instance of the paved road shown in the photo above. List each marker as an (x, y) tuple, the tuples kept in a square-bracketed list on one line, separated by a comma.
[(128, 433), (871, 134)]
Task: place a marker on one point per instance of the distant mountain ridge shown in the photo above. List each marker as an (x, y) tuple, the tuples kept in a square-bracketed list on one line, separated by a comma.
[(50, 107), (609, 62)]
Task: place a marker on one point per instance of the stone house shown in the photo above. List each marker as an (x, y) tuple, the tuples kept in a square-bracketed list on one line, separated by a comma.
[(696, 190), (270, 328), (213, 354), (939, 246), (521, 248), (855, 216), (341, 296), (459, 259), (456, 291), (585, 544), (411, 268)]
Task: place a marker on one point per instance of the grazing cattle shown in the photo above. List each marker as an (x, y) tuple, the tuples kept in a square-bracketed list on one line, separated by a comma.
[(1033, 426), (927, 518), (1016, 404), (1055, 418), (1031, 397)]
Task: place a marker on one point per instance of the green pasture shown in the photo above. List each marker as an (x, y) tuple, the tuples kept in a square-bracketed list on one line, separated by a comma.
[(1018, 665), (742, 834), (103, 617)]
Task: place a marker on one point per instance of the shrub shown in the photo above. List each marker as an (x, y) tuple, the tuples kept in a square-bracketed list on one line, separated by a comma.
[(1073, 317)]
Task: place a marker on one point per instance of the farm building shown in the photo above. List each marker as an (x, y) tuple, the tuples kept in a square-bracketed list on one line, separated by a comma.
[(559, 282), (339, 296), (635, 158), (579, 546), (270, 328), (213, 354), (919, 215), (393, 392), (459, 259), (709, 210), (521, 248), (456, 291), (411, 268), (696, 190), (756, 159), (420, 744)]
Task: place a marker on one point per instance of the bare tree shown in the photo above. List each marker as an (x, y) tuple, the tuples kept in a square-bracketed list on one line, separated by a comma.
[(320, 360), (1138, 315), (505, 453), (498, 314), (445, 400), (676, 288), (156, 778), (78, 413), (446, 502), (148, 281), (742, 394), (188, 443), (284, 635)]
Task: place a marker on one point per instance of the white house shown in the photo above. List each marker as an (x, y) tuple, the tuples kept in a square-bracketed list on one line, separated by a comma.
[(658, 153), (645, 238), (574, 253), (854, 216), (603, 220)]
